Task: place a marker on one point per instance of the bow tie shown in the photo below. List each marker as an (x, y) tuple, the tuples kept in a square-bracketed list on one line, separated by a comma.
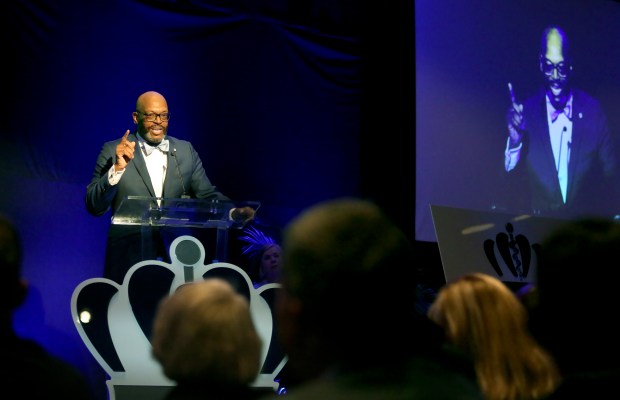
[(163, 146), (556, 113)]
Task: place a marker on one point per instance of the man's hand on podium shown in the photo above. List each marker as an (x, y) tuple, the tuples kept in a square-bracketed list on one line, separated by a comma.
[(242, 214)]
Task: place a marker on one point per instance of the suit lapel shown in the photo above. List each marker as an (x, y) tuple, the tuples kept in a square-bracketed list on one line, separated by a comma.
[(576, 144), (173, 178)]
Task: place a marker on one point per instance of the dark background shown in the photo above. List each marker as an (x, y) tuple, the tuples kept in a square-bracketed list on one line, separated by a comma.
[(288, 103)]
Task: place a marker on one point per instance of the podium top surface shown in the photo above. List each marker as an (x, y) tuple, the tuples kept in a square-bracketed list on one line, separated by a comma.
[(499, 244), (179, 212)]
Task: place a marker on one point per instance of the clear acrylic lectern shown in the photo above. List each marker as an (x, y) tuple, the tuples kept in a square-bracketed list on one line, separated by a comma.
[(180, 212)]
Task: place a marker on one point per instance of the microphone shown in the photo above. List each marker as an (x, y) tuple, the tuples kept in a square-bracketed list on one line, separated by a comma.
[(560, 151), (176, 162)]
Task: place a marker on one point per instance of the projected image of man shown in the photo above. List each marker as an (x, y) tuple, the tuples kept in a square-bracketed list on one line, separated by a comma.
[(560, 143)]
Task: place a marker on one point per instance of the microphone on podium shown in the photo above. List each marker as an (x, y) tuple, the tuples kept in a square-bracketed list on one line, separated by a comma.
[(176, 162)]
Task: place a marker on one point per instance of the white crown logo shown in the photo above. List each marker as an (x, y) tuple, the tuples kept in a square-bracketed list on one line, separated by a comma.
[(114, 321)]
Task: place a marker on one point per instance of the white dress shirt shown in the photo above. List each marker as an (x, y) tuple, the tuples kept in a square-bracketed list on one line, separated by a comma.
[(560, 136)]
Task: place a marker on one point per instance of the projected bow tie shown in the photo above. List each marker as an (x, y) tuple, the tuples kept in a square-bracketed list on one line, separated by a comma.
[(556, 113), (163, 146)]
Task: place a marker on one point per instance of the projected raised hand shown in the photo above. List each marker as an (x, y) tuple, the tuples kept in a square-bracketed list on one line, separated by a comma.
[(515, 118)]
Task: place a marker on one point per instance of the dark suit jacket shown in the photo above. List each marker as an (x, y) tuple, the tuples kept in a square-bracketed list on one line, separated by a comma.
[(593, 166), (184, 175), (38, 374), (424, 377)]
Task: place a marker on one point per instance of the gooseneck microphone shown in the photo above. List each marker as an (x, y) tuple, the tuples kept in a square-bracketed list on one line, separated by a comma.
[(176, 162), (560, 151)]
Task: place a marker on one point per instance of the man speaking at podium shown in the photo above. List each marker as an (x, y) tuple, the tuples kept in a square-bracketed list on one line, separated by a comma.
[(560, 143), (146, 163)]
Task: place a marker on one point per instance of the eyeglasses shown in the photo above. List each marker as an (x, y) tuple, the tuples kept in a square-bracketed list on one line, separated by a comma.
[(151, 117), (548, 67)]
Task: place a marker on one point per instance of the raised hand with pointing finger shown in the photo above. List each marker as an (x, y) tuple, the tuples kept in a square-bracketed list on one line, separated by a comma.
[(515, 119), (124, 152)]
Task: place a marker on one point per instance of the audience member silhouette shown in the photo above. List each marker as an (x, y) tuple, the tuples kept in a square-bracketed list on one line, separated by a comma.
[(577, 283), (528, 294), (483, 318), (346, 312), (30, 371), (205, 340)]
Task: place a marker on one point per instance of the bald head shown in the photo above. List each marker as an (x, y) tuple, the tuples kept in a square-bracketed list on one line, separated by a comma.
[(150, 99), (151, 117), (556, 66), (554, 44)]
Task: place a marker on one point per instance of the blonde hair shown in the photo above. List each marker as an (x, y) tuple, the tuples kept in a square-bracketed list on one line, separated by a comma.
[(483, 317), (204, 333)]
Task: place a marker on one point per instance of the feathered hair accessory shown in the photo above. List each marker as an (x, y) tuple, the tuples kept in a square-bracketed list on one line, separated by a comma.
[(256, 242)]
